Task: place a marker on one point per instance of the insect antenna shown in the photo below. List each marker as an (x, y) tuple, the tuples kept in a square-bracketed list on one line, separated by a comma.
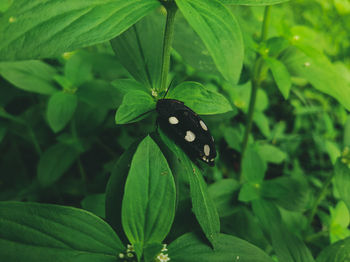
[(172, 83)]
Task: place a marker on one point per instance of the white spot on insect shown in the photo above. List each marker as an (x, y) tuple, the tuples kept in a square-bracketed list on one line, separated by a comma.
[(212, 160), (203, 125), (206, 150), (204, 158), (173, 120), (190, 136)]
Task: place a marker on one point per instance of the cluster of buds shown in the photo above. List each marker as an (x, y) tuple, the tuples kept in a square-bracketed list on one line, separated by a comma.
[(129, 255), (163, 256)]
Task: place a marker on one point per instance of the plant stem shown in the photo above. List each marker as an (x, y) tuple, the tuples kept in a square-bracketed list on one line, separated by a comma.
[(320, 196), (256, 81), (167, 43)]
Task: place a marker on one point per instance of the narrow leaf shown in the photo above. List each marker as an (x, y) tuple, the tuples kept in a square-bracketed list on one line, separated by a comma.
[(342, 181), (31, 232), (60, 26), (219, 31), (148, 207)]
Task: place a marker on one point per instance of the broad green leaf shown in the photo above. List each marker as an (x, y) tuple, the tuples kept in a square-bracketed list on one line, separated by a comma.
[(339, 222), (78, 69), (60, 26), (95, 203), (31, 232), (271, 153), (32, 76), (253, 2), (220, 33), (319, 71), (201, 100), (202, 204), (127, 85), (60, 110), (139, 49), (253, 166), (288, 247), (54, 162), (134, 106), (281, 75), (190, 248), (342, 181), (148, 207), (338, 252)]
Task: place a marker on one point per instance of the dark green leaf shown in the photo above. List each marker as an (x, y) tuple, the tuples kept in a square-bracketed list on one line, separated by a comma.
[(54, 162), (60, 110), (135, 103), (200, 99), (31, 232), (253, 2), (281, 75), (148, 207), (127, 85), (139, 49), (342, 181), (32, 76), (219, 31), (60, 26), (95, 203), (190, 248), (338, 252)]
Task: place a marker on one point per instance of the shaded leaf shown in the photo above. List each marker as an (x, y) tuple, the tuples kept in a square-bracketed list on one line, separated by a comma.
[(338, 252)]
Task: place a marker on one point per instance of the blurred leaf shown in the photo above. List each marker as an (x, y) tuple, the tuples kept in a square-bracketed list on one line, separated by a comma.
[(78, 69), (281, 75), (253, 2), (249, 192), (202, 204), (64, 25), (148, 207), (338, 252), (127, 85), (347, 132), (233, 138), (54, 162), (332, 150), (33, 76), (2, 133), (32, 232), (342, 181), (219, 31), (95, 203), (271, 153), (60, 110), (201, 100), (262, 122), (339, 223), (5, 4), (135, 103), (139, 49), (275, 45), (190, 248), (253, 167)]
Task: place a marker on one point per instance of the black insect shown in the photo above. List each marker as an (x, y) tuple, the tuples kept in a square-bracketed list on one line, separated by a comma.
[(187, 129)]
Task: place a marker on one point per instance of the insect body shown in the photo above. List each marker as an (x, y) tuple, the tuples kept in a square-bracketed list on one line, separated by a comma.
[(187, 129)]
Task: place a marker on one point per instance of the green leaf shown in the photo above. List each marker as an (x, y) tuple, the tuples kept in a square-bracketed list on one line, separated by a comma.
[(220, 33), (233, 138), (54, 162), (5, 4), (249, 192), (342, 181), (31, 232), (347, 132), (95, 203), (127, 85), (134, 105), (271, 153), (60, 110), (339, 222), (281, 75), (32, 76), (202, 204), (201, 100), (60, 26), (139, 49), (78, 69), (190, 248), (338, 252), (148, 207), (253, 166), (253, 2)]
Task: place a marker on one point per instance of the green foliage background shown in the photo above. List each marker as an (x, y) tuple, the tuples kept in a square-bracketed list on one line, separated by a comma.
[(86, 175)]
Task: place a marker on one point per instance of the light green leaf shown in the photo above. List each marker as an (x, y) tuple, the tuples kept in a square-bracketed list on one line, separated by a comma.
[(139, 49), (32, 76), (220, 33), (339, 222), (271, 153), (54, 162), (249, 192), (190, 248), (338, 252), (342, 181), (281, 75), (201, 100), (5, 4), (134, 105), (60, 110), (60, 26), (253, 2), (148, 207), (31, 232)]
